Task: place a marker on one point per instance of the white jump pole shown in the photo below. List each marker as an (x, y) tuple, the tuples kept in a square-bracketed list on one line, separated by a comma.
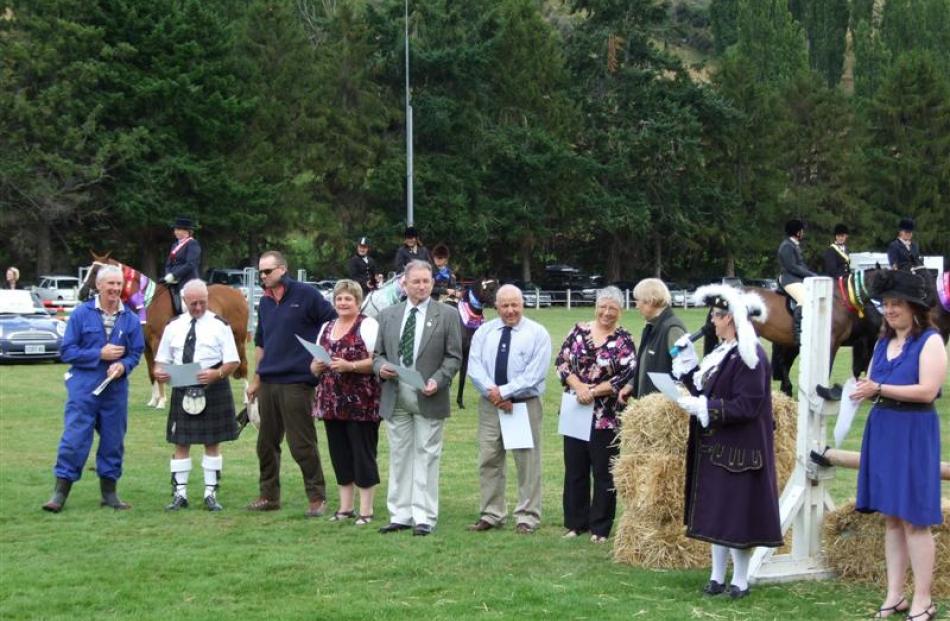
[(805, 499)]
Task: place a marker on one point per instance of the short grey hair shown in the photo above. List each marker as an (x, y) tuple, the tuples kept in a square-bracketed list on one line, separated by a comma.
[(652, 291), (196, 285), (417, 264), (504, 289), (107, 270), (610, 293)]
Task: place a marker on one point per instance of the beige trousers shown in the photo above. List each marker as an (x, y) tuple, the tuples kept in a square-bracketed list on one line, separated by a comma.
[(415, 450), (797, 291), (492, 467)]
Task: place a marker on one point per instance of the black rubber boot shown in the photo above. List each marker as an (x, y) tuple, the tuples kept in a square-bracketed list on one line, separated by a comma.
[(797, 318), (109, 497), (58, 499)]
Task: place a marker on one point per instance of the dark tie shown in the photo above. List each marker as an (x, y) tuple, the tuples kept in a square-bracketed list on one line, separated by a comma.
[(501, 358), (188, 355), (408, 340)]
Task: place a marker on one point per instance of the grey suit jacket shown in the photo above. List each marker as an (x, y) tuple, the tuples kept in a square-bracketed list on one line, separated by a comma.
[(439, 357)]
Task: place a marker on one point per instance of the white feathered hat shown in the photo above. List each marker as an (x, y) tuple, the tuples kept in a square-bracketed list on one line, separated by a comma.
[(743, 306)]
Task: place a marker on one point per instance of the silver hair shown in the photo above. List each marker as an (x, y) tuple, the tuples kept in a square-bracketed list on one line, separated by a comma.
[(652, 291), (195, 284), (417, 264), (509, 289), (107, 270), (610, 293)]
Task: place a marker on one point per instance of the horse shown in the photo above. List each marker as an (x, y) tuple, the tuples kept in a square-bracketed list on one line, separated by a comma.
[(154, 304), (470, 306)]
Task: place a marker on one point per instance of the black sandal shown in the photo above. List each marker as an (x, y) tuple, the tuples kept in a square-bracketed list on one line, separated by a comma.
[(891, 610), (339, 516), (363, 520), (928, 614)]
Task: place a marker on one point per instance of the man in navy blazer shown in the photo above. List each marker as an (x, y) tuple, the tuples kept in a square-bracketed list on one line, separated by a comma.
[(184, 260)]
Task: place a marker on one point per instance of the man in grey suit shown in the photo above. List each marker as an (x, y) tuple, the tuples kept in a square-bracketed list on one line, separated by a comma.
[(425, 335)]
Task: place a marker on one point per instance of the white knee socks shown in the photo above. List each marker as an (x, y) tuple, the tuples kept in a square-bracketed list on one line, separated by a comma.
[(212, 468), (180, 469), (720, 557), (740, 567)]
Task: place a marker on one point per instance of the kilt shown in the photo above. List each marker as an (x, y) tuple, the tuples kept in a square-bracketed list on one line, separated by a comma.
[(215, 424)]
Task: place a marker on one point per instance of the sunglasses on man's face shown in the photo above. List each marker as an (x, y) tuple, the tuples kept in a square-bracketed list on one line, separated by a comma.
[(267, 272)]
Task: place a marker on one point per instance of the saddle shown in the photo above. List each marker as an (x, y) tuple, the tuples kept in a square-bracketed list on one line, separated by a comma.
[(790, 303)]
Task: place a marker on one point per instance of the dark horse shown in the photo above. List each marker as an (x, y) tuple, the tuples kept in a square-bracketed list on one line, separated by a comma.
[(855, 323), (470, 305), (153, 303)]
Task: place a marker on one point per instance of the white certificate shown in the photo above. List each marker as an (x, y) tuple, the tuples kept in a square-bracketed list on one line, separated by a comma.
[(846, 411), (575, 419), (98, 390), (182, 374), (666, 385), (317, 351), (410, 376), (515, 427)]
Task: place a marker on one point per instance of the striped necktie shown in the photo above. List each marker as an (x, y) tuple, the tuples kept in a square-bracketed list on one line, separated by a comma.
[(408, 340)]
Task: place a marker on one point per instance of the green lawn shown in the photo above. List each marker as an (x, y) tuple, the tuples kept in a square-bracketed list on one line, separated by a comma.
[(146, 564)]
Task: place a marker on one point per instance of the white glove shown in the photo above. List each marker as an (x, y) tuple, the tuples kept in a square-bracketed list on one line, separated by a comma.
[(169, 278), (696, 406), (686, 360)]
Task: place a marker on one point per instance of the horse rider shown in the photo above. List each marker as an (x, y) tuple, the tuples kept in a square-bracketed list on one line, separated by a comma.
[(411, 250), (794, 270), (903, 252), (362, 268), (836, 258), (184, 260), (445, 287)]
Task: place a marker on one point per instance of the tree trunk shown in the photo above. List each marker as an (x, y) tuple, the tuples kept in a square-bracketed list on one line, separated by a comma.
[(44, 254), (151, 265), (730, 263), (527, 243), (614, 254), (658, 256)]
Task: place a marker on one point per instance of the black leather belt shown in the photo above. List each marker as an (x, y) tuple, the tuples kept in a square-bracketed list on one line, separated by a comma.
[(904, 405)]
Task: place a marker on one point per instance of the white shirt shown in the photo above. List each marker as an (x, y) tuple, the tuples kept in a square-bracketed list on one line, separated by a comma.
[(528, 358), (420, 322), (214, 341)]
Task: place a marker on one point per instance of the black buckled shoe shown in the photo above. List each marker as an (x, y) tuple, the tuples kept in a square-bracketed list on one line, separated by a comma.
[(212, 504), (713, 588), (178, 502), (737, 593)]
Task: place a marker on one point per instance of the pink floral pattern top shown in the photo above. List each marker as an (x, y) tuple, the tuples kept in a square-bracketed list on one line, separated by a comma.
[(346, 396), (614, 361)]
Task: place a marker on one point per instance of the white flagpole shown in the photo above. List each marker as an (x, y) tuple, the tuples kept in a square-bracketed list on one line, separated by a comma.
[(409, 210)]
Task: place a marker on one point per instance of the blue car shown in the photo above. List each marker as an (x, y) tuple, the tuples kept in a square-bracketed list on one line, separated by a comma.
[(27, 332)]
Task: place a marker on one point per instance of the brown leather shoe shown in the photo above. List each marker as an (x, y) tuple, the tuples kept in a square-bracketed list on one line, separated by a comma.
[(316, 509), (524, 529), (481, 525), (263, 504)]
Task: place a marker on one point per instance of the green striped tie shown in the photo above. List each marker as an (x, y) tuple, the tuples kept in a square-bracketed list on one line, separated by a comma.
[(408, 339)]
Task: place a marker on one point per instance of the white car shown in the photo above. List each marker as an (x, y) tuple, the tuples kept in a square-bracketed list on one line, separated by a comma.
[(58, 291)]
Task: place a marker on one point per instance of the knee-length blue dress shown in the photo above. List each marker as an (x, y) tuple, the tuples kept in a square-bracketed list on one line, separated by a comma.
[(900, 454)]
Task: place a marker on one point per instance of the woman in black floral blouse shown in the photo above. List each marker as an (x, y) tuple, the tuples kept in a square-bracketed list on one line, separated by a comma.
[(596, 360), (347, 399)]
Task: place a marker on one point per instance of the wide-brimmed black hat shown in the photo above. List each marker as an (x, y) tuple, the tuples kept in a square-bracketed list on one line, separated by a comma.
[(841, 229), (901, 284), (183, 223), (906, 224), (792, 227)]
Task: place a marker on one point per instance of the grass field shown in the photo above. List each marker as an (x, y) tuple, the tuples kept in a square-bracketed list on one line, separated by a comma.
[(88, 562)]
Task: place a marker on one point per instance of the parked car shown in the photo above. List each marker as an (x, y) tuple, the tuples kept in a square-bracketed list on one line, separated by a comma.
[(325, 287), (233, 278), (557, 279), (532, 293), (679, 294), (763, 283), (28, 332), (58, 291)]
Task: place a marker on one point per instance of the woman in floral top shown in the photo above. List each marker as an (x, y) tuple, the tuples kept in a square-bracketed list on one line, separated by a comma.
[(596, 360), (347, 399)]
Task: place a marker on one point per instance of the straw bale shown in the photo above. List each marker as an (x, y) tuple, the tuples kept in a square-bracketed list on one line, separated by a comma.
[(785, 413), (638, 542), (653, 425), (853, 546), (660, 481)]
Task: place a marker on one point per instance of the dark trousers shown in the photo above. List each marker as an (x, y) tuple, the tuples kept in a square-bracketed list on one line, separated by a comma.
[(582, 460), (353, 451), (285, 409)]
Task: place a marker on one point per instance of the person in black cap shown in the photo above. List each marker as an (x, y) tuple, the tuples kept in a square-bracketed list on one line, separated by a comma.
[(362, 268), (903, 252), (793, 269), (411, 250), (184, 260), (836, 257)]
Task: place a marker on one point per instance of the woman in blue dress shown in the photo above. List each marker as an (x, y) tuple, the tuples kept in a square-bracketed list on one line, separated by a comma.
[(899, 474)]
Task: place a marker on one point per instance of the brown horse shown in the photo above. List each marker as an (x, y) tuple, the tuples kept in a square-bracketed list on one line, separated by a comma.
[(141, 293), (855, 322)]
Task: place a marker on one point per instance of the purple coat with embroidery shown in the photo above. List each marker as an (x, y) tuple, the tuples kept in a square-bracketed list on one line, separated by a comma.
[(731, 489)]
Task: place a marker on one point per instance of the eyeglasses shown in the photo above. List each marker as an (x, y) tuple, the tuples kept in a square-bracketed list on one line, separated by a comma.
[(719, 314), (267, 272)]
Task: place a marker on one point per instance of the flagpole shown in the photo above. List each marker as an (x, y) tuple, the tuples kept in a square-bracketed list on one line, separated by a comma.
[(409, 207)]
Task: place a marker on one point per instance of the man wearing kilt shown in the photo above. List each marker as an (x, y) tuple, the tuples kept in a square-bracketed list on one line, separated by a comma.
[(203, 413)]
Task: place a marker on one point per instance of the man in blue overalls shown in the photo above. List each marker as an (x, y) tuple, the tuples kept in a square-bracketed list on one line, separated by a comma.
[(103, 340)]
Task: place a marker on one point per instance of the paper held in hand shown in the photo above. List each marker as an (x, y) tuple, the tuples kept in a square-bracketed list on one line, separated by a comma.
[(409, 376), (666, 385), (317, 351), (516, 427), (575, 419), (183, 374), (846, 411)]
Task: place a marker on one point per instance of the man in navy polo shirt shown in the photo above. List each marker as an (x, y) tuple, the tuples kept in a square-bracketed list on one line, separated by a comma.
[(283, 383)]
